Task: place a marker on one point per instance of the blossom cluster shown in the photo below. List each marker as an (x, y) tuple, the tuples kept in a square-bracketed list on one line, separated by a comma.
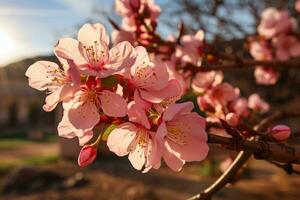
[(220, 100), (122, 88), (276, 40)]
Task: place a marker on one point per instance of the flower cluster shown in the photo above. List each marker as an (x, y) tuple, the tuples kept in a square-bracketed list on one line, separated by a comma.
[(277, 40), (124, 90), (220, 100)]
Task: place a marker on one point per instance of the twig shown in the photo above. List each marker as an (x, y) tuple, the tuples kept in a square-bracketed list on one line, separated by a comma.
[(239, 161), (287, 167), (246, 63), (272, 152)]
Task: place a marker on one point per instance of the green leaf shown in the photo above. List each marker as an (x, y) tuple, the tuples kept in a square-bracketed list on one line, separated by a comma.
[(107, 131), (109, 82)]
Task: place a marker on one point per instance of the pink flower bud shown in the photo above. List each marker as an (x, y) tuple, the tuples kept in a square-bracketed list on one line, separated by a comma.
[(280, 132), (87, 155), (232, 119)]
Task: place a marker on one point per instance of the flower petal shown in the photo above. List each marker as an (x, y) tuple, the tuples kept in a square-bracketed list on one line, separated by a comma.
[(167, 95), (113, 104), (138, 115), (121, 56), (121, 137), (173, 109), (84, 116), (38, 75), (89, 33)]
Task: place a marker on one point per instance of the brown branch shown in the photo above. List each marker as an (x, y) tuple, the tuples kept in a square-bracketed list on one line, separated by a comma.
[(261, 149), (242, 64), (239, 161), (273, 152)]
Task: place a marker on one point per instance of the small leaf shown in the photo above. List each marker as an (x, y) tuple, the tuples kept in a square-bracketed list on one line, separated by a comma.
[(108, 130), (109, 82)]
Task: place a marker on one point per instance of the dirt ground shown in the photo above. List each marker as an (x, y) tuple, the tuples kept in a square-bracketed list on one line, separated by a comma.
[(113, 179)]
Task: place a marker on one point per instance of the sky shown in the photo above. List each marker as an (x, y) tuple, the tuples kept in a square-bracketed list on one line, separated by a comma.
[(32, 27)]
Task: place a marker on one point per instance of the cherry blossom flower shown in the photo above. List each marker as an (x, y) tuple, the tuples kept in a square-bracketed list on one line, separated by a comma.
[(191, 48), (265, 75), (136, 142), (91, 54), (297, 6), (83, 109), (286, 47), (257, 104), (274, 22), (151, 80), (260, 51), (61, 83), (67, 130), (122, 35), (182, 136), (206, 80)]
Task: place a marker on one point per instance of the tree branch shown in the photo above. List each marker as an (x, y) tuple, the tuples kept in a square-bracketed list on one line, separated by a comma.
[(239, 161), (246, 63)]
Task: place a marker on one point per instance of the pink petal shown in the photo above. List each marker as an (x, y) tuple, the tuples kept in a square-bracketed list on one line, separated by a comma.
[(121, 56), (172, 158), (113, 104), (170, 94), (84, 116), (174, 109), (194, 150), (89, 33), (121, 137), (68, 49), (57, 95), (138, 115), (38, 75)]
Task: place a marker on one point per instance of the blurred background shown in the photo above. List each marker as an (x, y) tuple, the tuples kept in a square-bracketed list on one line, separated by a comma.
[(36, 164)]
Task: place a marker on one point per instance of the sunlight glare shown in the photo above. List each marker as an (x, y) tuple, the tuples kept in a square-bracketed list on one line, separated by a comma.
[(7, 46)]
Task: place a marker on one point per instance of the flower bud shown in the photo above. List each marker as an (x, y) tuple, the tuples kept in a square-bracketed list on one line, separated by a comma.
[(232, 119), (280, 132), (87, 155)]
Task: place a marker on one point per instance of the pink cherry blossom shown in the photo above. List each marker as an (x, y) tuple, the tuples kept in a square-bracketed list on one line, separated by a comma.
[(83, 109), (136, 142), (91, 53), (206, 80), (297, 6), (266, 75), (151, 80), (67, 130), (122, 35), (260, 51), (182, 136), (61, 83), (274, 22), (224, 93), (232, 119), (286, 46), (257, 104), (225, 164), (190, 48), (239, 107)]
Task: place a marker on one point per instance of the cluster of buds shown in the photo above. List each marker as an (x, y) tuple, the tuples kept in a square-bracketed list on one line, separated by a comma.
[(276, 40), (124, 90)]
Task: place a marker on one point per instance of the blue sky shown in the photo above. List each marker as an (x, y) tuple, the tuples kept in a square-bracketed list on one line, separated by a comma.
[(32, 27)]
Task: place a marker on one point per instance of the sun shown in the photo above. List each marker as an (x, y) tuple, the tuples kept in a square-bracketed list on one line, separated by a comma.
[(7, 47)]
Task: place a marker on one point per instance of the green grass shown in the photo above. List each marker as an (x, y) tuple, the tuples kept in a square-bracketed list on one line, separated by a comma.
[(13, 143), (6, 167)]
